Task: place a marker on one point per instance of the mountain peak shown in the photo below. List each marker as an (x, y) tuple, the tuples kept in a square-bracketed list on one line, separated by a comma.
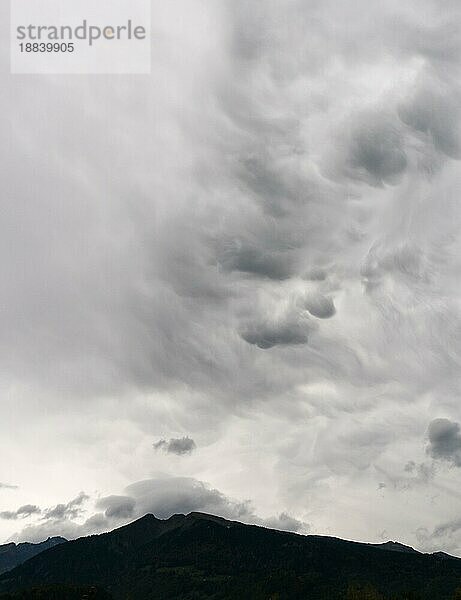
[(201, 516), (393, 546)]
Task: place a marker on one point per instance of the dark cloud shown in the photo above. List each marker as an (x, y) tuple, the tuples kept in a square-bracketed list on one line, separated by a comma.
[(21, 513), (371, 149), (434, 112), (179, 446), (71, 510), (60, 512), (290, 331), (320, 306), (256, 261), (376, 151), (445, 441), (269, 185), (316, 274), (117, 507)]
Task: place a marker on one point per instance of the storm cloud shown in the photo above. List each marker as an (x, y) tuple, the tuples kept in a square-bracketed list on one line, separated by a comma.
[(257, 245), (445, 441)]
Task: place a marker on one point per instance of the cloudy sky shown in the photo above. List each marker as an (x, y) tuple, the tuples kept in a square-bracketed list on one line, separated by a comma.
[(234, 285)]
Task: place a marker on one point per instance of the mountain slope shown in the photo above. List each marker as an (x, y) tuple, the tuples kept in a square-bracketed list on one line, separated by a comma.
[(12, 555), (204, 557)]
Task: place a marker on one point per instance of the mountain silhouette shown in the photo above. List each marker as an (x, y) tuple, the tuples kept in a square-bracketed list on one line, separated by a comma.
[(12, 555), (199, 556)]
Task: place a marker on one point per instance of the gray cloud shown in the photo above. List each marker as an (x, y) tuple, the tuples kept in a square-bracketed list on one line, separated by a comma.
[(7, 486), (179, 446), (117, 507), (166, 496), (60, 512), (316, 274), (286, 331), (434, 112), (376, 151), (256, 261), (443, 537), (405, 263), (285, 522), (162, 497), (67, 528), (445, 441), (372, 150), (320, 306), (449, 528), (21, 513), (71, 510)]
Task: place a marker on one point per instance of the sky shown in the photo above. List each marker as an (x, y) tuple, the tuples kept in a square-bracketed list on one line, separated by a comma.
[(233, 285)]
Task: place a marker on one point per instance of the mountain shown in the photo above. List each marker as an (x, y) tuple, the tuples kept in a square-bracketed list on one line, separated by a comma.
[(12, 555), (396, 547), (202, 557)]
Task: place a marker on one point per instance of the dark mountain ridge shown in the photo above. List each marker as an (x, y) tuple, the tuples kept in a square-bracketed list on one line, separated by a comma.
[(12, 555), (199, 556)]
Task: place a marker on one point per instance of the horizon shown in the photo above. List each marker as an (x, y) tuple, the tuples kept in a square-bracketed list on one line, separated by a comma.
[(264, 526)]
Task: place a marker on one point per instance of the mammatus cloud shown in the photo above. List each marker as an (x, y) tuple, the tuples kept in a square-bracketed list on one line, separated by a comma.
[(288, 330), (179, 446), (162, 497), (255, 261), (445, 441), (371, 150), (320, 306)]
